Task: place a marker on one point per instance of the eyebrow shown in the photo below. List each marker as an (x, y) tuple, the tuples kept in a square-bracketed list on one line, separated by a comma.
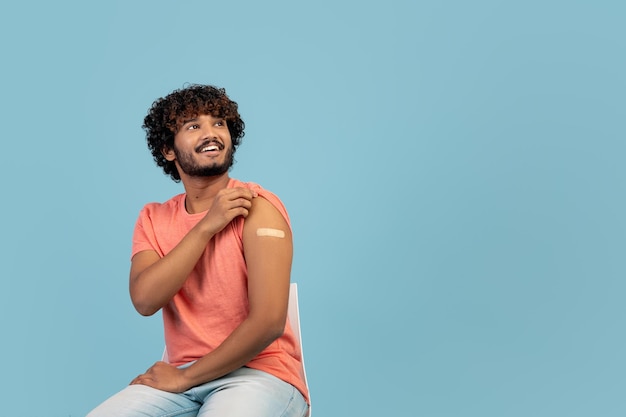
[(193, 119)]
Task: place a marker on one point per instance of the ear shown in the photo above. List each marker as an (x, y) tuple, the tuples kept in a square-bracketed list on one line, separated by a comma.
[(168, 153)]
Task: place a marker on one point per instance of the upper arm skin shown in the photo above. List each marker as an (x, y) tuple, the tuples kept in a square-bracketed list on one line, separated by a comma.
[(139, 263), (268, 260)]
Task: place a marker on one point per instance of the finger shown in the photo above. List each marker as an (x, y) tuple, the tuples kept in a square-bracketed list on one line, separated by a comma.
[(139, 379), (236, 207), (237, 211), (142, 380), (240, 192), (242, 202)]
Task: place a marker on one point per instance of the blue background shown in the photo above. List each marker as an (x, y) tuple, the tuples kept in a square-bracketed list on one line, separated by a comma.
[(454, 172)]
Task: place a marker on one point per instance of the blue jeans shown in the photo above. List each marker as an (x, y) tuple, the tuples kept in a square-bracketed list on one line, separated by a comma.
[(245, 392)]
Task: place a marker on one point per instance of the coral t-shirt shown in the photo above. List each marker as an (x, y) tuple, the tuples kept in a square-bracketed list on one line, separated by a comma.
[(213, 301)]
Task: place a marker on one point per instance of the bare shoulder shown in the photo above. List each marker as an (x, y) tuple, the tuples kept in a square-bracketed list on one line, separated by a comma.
[(263, 213), (265, 221)]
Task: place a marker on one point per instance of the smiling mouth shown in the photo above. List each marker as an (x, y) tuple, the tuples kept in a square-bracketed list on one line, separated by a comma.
[(210, 147)]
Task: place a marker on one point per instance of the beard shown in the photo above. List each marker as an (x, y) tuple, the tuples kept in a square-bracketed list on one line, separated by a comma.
[(190, 167)]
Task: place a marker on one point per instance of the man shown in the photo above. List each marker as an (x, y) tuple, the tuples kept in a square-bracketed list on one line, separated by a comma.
[(216, 260)]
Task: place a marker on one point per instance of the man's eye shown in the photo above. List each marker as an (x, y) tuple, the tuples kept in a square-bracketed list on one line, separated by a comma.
[(220, 123), (193, 127)]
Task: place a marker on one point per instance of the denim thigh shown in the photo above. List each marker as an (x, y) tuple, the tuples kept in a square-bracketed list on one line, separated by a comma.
[(144, 401), (245, 392), (249, 392)]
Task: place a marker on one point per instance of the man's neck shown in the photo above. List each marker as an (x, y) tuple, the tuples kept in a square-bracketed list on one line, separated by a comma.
[(202, 190)]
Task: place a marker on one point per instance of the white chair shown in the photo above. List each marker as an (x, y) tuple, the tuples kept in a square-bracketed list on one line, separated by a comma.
[(293, 315)]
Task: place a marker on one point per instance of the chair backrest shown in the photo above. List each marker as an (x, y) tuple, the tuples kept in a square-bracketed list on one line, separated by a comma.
[(293, 315)]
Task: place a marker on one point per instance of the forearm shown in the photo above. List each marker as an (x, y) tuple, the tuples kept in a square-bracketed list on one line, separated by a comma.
[(237, 350), (153, 286), (246, 342)]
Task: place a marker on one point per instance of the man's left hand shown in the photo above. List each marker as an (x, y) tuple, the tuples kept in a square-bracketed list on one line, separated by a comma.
[(163, 376)]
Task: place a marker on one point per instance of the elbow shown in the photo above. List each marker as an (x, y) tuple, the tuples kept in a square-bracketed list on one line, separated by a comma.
[(144, 303), (143, 307), (275, 329), (146, 311), (271, 335), (267, 329), (278, 332)]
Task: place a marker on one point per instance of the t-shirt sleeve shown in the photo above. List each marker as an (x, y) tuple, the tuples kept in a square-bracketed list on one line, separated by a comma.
[(143, 234)]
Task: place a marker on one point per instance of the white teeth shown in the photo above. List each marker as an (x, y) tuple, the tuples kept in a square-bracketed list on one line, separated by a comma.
[(210, 148)]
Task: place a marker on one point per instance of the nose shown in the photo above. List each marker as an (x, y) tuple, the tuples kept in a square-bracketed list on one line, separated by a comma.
[(208, 132)]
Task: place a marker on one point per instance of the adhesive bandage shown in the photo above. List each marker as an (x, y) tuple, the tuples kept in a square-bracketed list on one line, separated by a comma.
[(264, 231)]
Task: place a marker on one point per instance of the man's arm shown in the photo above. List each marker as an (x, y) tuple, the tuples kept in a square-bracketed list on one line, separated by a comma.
[(268, 258), (155, 280)]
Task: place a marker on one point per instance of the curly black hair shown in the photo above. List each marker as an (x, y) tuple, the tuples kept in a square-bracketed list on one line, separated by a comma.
[(167, 115)]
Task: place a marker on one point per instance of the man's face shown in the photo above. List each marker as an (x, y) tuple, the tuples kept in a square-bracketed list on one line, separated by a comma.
[(203, 147)]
